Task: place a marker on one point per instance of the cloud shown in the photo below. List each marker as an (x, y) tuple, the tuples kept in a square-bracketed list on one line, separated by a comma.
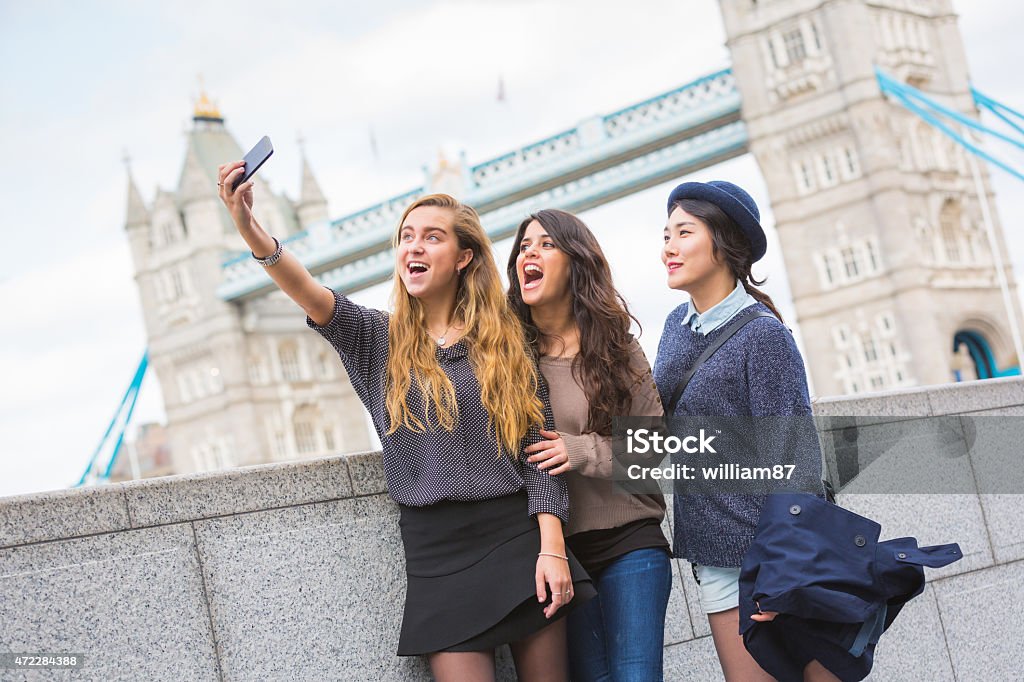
[(422, 75), (73, 337)]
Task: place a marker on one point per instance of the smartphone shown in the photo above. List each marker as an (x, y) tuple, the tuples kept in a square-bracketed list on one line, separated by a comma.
[(256, 157)]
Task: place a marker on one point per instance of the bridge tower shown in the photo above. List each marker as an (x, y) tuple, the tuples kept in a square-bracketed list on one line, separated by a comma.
[(242, 383), (881, 227)]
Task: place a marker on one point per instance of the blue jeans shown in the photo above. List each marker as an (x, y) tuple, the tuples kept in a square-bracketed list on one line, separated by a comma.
[(618, 636)]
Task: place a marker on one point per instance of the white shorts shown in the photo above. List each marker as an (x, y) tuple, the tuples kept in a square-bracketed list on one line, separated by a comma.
[(719, 588)]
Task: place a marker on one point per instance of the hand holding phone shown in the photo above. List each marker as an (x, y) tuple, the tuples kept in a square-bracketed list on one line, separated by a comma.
[(252, 161)]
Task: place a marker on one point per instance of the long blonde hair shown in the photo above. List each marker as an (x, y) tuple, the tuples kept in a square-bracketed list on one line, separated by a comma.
[(497, 346)]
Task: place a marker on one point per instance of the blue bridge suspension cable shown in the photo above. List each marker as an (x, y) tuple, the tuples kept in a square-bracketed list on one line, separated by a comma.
[(932, 112), (122, 416)]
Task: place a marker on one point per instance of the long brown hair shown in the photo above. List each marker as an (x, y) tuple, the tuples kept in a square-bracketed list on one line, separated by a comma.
[(731, 245), (604, 365), (497, 347)]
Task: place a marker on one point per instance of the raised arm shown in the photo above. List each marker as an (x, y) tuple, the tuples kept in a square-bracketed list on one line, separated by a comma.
[(288, 273), (358, 334)]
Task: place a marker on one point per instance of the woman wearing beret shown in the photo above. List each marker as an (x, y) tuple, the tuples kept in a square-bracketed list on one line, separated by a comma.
[(561, 286), (712, 239), (454, 397)]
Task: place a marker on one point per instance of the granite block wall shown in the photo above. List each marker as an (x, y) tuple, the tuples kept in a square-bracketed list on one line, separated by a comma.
[(294, 571)]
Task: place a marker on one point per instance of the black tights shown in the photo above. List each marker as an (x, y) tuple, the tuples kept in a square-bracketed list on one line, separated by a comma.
[(540, 657)]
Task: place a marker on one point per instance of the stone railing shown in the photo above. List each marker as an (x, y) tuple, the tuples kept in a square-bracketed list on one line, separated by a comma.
[(295, 572)]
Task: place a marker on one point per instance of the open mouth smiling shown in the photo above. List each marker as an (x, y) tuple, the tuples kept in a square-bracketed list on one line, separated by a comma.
[(532, 275), (417, 267)]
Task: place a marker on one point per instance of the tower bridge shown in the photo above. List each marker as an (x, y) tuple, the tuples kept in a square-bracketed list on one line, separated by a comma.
[(892, 263), (598, 161), (894, 267)]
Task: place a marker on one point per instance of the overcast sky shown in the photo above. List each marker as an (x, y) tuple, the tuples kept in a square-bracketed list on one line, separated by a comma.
[(82, 83)]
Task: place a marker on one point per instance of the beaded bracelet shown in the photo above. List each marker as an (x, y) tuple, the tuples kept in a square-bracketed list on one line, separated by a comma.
[(272, 258)]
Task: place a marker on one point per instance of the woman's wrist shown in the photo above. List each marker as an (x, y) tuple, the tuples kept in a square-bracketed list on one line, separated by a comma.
[(552, 548), (249, 228), (551, 538), (261, 244), (554, 555), (552, 544)]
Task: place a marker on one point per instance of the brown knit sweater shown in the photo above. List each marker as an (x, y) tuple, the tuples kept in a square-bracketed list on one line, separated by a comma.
[(593, 502)]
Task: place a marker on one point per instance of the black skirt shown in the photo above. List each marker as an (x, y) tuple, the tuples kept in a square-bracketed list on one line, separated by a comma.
[(470, 569)]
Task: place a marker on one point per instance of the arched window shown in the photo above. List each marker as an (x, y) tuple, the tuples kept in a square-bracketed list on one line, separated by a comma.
[(815, 37), (288, 353), (279, 445), (827, 170), (257, 370), (828, 268), (324, 366), (872, 253), (770, 45), (850, 261), (851, 168), (949, 227), (304, 422), (796, 50), (870, 351)]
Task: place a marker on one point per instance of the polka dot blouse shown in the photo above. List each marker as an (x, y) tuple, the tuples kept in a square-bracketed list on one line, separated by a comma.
[(422, 468)]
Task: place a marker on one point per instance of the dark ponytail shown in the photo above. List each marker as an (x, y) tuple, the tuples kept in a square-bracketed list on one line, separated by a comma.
[(731, 245)]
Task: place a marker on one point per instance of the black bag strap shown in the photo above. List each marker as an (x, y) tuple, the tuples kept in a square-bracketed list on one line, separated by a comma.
[(830, 491), (733, 326)]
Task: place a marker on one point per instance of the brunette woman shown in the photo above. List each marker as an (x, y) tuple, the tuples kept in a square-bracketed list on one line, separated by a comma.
[(578, 324), (712, 239), (454, 397)]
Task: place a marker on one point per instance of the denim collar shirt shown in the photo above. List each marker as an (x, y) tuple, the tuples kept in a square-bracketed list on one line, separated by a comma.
[(720, 313)]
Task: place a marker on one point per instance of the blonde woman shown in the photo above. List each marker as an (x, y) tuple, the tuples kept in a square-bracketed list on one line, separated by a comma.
[(455, 398)]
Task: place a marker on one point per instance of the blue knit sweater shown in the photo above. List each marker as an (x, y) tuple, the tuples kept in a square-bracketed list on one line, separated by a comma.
[(758, 372)]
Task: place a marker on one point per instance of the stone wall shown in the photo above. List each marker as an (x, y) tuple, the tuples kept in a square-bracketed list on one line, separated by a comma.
[(295, 572)]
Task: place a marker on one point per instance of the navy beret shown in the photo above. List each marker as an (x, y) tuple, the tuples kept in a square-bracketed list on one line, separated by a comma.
[(734, 201)]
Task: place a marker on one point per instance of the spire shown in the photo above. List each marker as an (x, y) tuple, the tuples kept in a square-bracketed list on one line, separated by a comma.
[(136, 212), (209, 145), (312, 204), (450, 177), (205, 109), (310, 193)]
